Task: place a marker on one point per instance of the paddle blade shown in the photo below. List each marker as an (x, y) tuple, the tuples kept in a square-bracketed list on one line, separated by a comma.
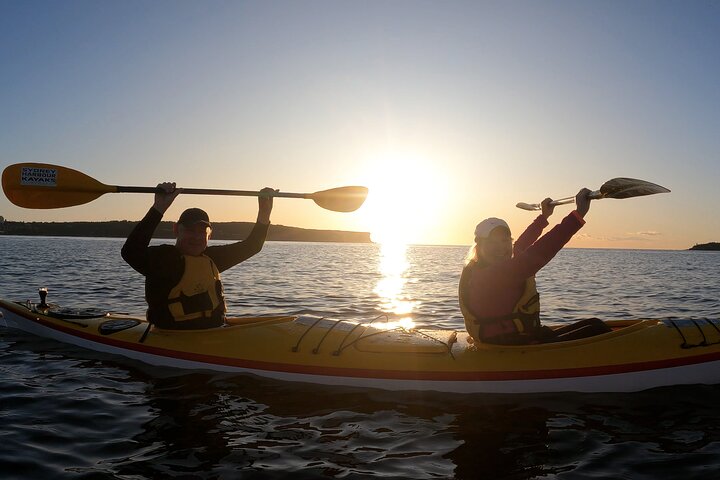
[(528, 206), (342, 199), (630, 187), (41, 185)]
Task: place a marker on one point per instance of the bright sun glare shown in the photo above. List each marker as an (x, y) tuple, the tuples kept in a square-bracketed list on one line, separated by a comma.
[(406, 196)]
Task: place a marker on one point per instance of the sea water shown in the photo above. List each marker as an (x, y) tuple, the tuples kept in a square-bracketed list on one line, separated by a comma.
[(70, 413)]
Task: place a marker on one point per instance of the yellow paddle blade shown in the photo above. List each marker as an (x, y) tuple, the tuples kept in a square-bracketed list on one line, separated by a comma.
[(41, 185), (342, 199)]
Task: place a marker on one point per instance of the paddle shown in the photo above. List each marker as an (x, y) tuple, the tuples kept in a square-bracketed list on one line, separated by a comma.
[(41, 185), (615, 188)]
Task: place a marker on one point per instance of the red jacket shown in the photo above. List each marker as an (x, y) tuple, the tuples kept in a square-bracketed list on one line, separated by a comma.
[(494, 290)]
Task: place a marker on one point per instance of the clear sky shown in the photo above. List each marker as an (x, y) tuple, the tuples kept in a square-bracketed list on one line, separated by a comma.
[(449, 111)]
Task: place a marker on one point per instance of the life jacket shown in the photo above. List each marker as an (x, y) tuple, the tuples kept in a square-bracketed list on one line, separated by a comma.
[(199, 294), (524, 319)]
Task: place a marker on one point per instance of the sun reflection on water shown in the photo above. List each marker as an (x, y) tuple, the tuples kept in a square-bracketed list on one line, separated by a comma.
[(393, 266)]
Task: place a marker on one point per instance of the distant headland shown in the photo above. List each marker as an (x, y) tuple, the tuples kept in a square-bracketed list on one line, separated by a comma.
[(221, 231), (712, 246)]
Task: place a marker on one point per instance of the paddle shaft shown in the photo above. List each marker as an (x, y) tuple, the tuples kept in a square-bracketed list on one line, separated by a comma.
[(596, 195), (213, 191)]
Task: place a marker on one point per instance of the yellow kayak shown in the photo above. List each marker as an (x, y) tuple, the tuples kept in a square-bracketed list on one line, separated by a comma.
[(635, 355)]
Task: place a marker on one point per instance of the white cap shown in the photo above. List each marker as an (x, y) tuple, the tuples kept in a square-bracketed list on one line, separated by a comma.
[(484, 228)]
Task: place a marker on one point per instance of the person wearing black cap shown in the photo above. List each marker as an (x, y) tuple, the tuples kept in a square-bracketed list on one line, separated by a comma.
[(183, 289), (498, 296)]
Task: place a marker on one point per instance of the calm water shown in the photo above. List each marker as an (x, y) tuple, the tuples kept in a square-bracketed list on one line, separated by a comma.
[(69, 413)]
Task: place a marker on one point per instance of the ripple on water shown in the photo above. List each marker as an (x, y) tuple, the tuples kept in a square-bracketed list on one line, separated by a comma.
[(68, 413)]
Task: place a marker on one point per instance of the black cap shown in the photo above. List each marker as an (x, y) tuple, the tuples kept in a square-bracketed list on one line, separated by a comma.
[(193, 216)]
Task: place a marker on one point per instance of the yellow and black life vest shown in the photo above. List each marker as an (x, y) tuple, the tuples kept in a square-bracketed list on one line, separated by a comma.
[(524, 319), (198, 294)]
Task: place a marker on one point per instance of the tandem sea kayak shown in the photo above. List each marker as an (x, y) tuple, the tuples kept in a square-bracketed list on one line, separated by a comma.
[(635, 355)]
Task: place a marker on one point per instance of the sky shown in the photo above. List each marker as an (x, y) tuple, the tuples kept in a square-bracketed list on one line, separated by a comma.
[(449, 111)]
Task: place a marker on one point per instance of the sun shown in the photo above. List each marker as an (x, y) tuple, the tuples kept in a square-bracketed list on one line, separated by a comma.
[(407, 195)]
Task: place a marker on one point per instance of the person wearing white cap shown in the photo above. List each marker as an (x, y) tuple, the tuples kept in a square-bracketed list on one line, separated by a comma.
[(498, 295), (182, 281)]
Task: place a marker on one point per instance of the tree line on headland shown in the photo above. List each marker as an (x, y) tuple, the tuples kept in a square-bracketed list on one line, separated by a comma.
[(714, 246), (221, 231)]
